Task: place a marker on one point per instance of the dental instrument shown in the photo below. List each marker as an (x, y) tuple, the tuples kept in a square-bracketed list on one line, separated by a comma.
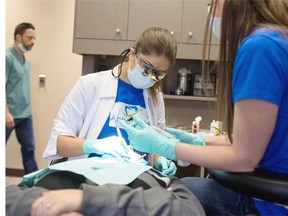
[(124, 144)]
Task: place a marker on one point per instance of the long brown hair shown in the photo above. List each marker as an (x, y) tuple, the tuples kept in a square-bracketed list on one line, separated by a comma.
[(239, 18)]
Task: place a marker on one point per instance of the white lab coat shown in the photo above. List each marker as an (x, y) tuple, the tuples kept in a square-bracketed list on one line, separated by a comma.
[(87, 106)]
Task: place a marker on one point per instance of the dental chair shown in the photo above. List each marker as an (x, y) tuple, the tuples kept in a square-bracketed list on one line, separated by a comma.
[(260, 184)]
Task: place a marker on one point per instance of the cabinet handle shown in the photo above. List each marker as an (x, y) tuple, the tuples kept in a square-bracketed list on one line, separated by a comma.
[(118, 30), (190, 34), (172, 32)]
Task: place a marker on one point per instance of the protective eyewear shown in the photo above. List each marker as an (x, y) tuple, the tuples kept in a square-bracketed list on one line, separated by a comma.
[(149, 69)]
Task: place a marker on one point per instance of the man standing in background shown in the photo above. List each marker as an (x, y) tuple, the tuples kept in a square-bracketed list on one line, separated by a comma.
[(18, 98)]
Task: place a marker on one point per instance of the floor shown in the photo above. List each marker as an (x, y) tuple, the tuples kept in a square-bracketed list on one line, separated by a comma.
[(13, 180)]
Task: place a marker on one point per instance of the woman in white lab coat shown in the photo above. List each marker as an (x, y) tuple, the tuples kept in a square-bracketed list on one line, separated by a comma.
[(87, 120)]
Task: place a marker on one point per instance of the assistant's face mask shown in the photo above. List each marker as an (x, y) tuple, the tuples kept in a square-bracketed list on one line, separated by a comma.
[(216, 27), (22, 47), (138, 80)]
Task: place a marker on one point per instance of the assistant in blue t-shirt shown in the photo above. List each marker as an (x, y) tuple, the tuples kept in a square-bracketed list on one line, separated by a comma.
[(261, 72)]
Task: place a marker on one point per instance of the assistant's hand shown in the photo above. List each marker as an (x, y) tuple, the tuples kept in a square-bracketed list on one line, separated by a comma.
[(57, 202), (183, 136), (113, 145), (165, 166), (145, 139)]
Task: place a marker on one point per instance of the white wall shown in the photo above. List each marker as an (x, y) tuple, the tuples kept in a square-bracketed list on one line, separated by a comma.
[(52, 55)]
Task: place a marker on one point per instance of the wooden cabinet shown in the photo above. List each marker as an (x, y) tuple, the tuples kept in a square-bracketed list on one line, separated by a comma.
[(101, 19), (194, 21), (100, 27), (194, 18), (146, 13), (107, 27)]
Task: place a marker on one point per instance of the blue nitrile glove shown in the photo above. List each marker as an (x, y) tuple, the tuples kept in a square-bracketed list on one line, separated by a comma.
[(113, 145), (185, 137), (165, 166), (145, 139)]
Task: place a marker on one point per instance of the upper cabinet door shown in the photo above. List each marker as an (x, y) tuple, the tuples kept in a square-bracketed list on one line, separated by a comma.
[(147, 13), (101, 19), (195, 14)]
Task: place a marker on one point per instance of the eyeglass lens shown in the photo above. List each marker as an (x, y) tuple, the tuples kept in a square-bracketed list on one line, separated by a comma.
[(149, 69)]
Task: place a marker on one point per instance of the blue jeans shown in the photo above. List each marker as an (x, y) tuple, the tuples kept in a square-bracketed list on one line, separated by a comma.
[(218, 200), (24, 133)]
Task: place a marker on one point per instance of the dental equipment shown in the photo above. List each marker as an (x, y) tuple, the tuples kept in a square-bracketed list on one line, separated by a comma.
[(124, 144)]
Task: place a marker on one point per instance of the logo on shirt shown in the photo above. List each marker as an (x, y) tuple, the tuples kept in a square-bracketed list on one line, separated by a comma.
[(125, 111), (130, 110)]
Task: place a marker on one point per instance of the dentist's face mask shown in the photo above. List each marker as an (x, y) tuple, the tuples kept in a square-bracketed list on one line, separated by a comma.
[(22, 47), (138, 79), (216, 27)]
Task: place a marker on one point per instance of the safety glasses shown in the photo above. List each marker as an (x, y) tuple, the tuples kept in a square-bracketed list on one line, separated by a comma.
[(149, 69)]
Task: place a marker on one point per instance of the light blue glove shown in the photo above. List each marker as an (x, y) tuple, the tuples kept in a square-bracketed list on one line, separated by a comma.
[(185, 137), (145, 139), (113, 145), (165, 166)]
